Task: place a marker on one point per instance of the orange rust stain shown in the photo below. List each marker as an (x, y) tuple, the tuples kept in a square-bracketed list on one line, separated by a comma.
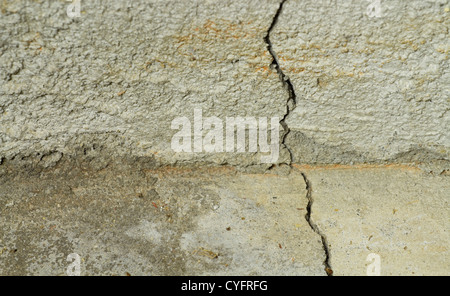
[(205, 172), (357, 167), (296, 70), (191, 172), (262, 69), (221, 31)]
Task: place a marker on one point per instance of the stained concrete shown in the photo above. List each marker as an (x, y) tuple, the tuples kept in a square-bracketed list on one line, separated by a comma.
[(125, 220), (124, 70), (129, 218), (87, 167), (366, 88)]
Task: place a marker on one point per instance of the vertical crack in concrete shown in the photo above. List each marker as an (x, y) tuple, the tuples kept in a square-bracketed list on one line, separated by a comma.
[(290, 106), (292, 100), (314, 227)]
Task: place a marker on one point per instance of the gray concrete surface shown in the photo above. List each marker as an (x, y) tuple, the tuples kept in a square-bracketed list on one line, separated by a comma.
[(123, 220), (121, 72), (368, 89), (401, 214), (128, 219), (86, 158)]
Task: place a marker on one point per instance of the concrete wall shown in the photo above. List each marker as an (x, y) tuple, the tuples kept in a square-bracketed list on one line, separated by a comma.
[(356, 88), (367, 89)]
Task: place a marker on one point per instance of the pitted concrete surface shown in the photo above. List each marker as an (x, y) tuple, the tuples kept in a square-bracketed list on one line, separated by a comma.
[(368, 89), (87, 167), (125, 70)]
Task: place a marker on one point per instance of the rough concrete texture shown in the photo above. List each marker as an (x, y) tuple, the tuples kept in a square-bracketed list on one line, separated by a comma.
[(368, 89), (120, 74), (400, 214), (156, 222), (87, 167)]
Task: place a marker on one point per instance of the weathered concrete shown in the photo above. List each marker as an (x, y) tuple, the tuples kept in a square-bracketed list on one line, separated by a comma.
[(87, 167), (368, 89), (398, 213), (134, 219), (118, 75), (124, 219)]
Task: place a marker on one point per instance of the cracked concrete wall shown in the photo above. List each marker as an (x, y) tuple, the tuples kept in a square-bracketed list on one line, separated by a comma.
[(117, 76), (91, 99), (366, 89)]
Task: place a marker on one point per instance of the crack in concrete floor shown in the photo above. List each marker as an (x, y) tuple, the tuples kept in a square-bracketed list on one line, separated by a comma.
[(326, 263)]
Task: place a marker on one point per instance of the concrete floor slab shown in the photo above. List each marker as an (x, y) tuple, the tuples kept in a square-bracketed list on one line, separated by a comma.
[(156, 222), (400, 214)]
